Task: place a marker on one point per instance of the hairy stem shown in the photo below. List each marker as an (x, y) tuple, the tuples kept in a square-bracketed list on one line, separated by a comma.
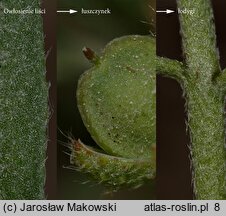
[(170, 68), (205, 100), (206, 124), (199, 39)]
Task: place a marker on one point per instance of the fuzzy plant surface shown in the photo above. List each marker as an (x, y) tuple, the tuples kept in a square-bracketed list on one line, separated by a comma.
[(116, 99), (23, 99), (204, 85)]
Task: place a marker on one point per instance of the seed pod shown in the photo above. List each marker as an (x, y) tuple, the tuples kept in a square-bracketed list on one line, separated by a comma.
[(116, 99)]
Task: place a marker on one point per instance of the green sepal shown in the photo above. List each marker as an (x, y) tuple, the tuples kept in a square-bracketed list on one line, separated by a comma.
[(114, 172)]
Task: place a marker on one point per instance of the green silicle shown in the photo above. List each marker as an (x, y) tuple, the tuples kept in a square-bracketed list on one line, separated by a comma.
[(116, 99)]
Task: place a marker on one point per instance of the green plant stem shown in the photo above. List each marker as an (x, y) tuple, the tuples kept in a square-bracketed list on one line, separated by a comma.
[(206, 125), (171, 68), (205, 100), (199, 39)]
